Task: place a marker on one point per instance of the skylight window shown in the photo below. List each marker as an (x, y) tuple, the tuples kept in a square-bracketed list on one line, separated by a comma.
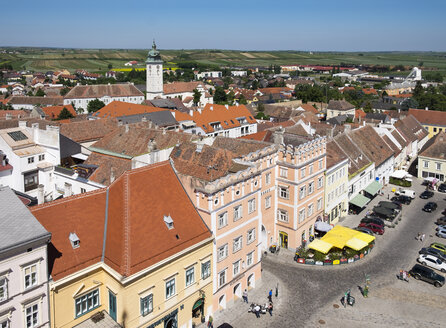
[(74, 240), (168, 221), (17, 135)]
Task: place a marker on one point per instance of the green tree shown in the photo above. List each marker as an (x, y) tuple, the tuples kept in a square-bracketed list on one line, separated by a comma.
[(95, 105), (197, 97), (242, 100), (64, 114), (40, 93), (368, 107), (110, 66), (219, 95), (409, 103), (64, 91), (261, 107)]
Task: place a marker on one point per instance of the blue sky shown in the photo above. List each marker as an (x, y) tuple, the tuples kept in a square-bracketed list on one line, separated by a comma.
[(320, 25)]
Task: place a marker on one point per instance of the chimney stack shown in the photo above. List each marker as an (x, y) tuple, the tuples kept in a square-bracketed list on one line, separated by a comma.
[(126, 127), (191, 112), (112, 174), (427, 108), (278, 136), (68, 189), (40, 194)]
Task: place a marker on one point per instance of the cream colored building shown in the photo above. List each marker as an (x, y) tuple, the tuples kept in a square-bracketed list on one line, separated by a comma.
[(336, 189), (432, 159)]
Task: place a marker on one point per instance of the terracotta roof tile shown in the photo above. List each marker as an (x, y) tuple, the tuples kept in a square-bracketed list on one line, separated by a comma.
[(431, 117), (309, 108), (119, 108), (53, 112), (44, 101), (334, 154), (106, 166), (138, 202), (435, 147), (180, 87), (340, 105), (90, 130)]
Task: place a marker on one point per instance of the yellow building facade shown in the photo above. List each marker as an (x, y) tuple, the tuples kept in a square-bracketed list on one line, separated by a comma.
[(336, 191)]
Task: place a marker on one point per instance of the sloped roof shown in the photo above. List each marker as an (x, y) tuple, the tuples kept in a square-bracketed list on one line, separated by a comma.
[(120, 108), (136, 235), (340, 105), (180, 87), (435, 147), (309, 108), (411, 128), (239, 147), (335, 154), (101, 90), (431, 117), (44, 101), (54, 111), (357, 159), (90, 130), (106, 164)]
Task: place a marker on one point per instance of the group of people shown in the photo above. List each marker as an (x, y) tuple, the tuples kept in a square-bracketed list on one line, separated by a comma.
[(421, 236)]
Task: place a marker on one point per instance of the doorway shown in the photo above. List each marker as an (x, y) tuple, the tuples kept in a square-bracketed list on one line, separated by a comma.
[(237, 291), (112, 305), (251, 281), (283, 238)]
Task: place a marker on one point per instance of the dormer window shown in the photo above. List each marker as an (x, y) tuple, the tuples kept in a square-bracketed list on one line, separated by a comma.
[(168, 221), (74, 240)]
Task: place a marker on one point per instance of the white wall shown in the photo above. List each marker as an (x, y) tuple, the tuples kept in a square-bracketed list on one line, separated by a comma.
[(83, 102)]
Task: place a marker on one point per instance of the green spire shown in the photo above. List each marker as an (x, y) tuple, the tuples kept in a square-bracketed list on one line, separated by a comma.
[(153, 55)]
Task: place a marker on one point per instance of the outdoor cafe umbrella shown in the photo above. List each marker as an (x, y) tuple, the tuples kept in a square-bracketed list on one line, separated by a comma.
[(322, 226)]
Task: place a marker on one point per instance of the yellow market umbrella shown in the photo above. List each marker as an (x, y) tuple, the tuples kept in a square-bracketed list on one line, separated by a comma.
[(320, 246), (356, 244)]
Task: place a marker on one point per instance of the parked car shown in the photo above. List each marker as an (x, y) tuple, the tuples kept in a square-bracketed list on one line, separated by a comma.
[(442, 187), (374, 220), (430, 207), (434, 252), (432, 262), (427, 194), (376, 228), (364, 230), (441, 226), (391, 205), (406, 192), (421, 272), (441, 233), (385, 213), (441, 221), (439, 246), (444, 212), (402, 199)]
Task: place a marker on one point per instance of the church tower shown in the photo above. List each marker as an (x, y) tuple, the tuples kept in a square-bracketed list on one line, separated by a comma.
[(154, 73)]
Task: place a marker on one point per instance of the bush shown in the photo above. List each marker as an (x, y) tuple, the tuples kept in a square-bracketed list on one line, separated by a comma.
[(350, 252), (335, 255), (318, 256), (399, 182)]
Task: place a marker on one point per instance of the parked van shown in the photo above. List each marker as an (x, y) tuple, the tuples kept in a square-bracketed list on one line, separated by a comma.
[(406, 192)]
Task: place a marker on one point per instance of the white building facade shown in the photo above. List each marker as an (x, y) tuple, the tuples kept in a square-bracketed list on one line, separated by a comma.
[(154, 74)]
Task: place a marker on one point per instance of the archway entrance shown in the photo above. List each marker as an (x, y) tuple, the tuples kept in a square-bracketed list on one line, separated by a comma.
[(171, 322), (198, 311), (283, 239), (222, 302), (237, 291), (251, 281)]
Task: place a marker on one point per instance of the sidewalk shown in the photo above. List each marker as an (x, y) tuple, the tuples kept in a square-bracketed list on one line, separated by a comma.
[(236, 313)]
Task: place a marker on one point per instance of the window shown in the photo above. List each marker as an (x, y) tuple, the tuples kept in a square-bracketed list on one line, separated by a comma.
[(320, 164), (205, 270), (310, 188), (425, 164), (319, 203), (30, 276), (83, 190), (301, 215), (41, 157), (268, 202), (249, 258), (238, 212), (438, 166), (251, 236), (310, 169), (222, 252), (282, 215), (284, 192), (302, 192), (302, 172), (30, 160), (435, 129), (222, 278), (237, 244), (236, 268), (31, 180), (4, 324), (320, 182), (32, 316), (268, 178), (190, 276), (3, 289), (283, 172), (223, 220), (310, 209), (251, 205), (87, 302), (170, 288), (146, 305)]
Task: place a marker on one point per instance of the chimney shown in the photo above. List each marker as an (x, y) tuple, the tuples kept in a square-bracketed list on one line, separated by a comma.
[(68, 189), (227, 107), (112, 174), (191, 112), (278, 136), (199, 110), (427, 108), (40, 194), (143, 119), (199, 148), (35, 127), (173, 113), (211, 108), (126, 127), (150, 124), (164, 131), (399, 110), (347, 127), (22, 124), (8, 116), (151, 146)]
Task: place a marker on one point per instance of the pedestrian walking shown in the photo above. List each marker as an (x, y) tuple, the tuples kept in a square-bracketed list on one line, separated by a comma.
[(422, 237), (418, 237), (211, 322), (257, 311), (270, 309), (245, 296), (388, 196), (270, 295)]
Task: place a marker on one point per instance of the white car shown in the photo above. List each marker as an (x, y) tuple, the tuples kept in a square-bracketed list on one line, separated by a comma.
[(432, 261), (406, 192)]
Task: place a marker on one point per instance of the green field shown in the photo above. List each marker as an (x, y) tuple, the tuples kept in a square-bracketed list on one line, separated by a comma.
[(97, 60)]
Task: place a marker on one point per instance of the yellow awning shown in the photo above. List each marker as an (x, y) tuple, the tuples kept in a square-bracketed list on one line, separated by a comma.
[(320, 246), (365, 237), (356, 244), (336, 241)]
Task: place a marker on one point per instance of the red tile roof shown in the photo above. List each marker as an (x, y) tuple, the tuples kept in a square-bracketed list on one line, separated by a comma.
[(309, 108), (54, 111), (180, 87), (136, 235), (101, 90), (359, 113), (120, 108), (369, 91), (430, 117), (89, 130)]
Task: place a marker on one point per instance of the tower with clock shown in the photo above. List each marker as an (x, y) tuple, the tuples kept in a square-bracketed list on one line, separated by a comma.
[(154, 73)]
